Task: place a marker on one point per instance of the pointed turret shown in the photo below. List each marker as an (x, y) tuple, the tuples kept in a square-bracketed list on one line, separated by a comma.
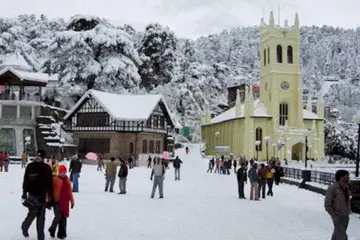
[(297, 23), (238, 103), (249, 101), (271, 20), (286, 24), (320, 106)]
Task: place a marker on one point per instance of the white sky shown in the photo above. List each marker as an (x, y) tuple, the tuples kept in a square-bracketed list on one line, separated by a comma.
[(193, 18)]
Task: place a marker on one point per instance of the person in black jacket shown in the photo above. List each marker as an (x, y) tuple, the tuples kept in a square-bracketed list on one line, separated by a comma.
[(241, 179), (37, 194), (75, 170), (149, 162), (177, 164), (123, 173)]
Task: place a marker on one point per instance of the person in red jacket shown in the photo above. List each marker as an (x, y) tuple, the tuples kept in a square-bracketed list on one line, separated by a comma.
[(62, 198), (262, 180)]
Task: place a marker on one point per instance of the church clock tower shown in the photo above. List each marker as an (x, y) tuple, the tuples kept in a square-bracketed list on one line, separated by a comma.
[(280, 80)]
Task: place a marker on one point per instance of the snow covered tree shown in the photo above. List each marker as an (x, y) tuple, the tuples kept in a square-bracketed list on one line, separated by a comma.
[(157, 53)]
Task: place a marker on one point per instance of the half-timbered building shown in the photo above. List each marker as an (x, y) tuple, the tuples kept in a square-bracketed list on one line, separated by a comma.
[(120, 125)]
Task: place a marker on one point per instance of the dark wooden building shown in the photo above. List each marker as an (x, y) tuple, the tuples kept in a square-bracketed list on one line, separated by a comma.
[(120, 125)]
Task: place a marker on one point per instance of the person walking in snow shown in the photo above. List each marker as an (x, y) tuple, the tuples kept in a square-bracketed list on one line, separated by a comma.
[(123, 173), (210, 168), (262, 180), (270, 180), (217, 163), (235, 165), (75, 170), (187, 150), (241, 179), (110, 175), (158, 172), (100, 163), (149, 162), (6, 162), (62, 197), (279, 172), (24, 159), (337, 204), (254, 184), (37, 194), (177, 164)]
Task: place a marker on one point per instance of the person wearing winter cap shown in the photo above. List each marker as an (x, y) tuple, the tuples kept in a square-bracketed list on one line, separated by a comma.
[(63, 197), (37, 194)]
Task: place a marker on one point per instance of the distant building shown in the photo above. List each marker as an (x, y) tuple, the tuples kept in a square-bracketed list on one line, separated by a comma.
[(25, 120), (275, 124), (120, 125)]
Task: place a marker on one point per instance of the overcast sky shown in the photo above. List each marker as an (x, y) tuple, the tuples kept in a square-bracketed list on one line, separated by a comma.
[(193, 18)]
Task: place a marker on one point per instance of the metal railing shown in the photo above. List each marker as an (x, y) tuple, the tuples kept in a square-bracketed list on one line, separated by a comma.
[(325, 178)]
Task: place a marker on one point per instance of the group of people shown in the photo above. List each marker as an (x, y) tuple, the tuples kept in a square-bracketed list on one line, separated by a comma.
[(259, 178), (4, 161), (47, 186), (157, 174)]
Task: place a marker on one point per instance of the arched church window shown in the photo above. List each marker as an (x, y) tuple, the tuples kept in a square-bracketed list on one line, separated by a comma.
[(289, 54), (268, 55), (258, 137), (279, 54), (283, 114), (264, 57)]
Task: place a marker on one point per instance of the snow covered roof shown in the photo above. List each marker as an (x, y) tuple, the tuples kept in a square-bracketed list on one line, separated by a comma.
[(124, 107), (309, 115), (259, 111), (29, 76), (15, 60)]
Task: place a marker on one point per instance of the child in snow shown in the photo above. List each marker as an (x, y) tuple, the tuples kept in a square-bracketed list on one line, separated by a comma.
[(62, 198)]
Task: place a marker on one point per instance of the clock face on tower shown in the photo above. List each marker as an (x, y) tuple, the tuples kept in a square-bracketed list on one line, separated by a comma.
[(284, 85)]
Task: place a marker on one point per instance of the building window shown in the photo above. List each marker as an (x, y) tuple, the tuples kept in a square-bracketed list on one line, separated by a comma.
[(258, 137), (264, 57), (131, 147), (144, 146), (148, 123), (155, 121), (279, 54), (268, 55), (8, 141), (29, 147), (162, 122), (151, 146), (157, 147), (289, 54), (283, 113), (100, 119)]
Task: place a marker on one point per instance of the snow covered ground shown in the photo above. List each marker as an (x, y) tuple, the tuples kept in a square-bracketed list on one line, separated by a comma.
[(200, 206)]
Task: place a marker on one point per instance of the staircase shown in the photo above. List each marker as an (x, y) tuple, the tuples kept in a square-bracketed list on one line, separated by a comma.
[(49, 132)]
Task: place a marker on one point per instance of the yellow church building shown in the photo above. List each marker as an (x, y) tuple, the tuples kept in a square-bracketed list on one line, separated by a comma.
[(275, 124)]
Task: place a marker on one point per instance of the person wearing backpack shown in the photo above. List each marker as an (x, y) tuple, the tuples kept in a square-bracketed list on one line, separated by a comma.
[(177, 164), (158, 172), (123, 173)]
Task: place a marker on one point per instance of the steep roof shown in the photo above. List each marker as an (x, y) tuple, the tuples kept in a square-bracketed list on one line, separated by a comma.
[(126, 107), (29, 76), (259, 111)]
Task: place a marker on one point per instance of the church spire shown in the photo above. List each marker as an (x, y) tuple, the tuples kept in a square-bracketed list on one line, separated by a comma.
[(297, 22), (272, 20)]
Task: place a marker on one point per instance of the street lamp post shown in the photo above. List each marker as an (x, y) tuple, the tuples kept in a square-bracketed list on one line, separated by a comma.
[(356, 119), (62, 141), (267, 139), (307, 134), (257, 144), (274, 147)]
